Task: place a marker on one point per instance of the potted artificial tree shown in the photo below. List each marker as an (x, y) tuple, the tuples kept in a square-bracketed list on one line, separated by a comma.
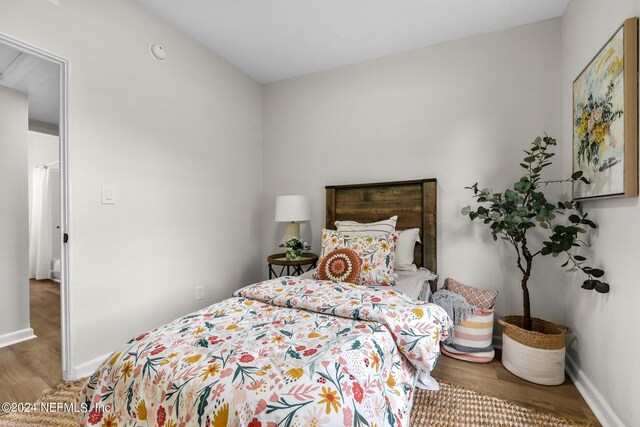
[(534, 349)]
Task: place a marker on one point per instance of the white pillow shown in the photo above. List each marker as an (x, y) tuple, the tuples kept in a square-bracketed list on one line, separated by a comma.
[(406, 238), (370, 229), (404, 250)]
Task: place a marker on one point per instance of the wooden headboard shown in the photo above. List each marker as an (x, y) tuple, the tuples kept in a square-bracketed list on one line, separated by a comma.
[(415, 203)]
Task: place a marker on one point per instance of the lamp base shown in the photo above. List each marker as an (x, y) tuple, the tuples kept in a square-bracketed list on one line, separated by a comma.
[(292, 231)]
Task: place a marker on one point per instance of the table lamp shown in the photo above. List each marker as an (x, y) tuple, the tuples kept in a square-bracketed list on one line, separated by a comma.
[(292, 210)]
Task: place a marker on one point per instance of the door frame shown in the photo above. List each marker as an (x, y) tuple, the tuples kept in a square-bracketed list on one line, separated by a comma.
[(65, 214)]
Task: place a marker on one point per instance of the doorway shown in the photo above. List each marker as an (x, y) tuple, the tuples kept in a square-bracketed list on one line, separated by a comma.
[(43, 77)]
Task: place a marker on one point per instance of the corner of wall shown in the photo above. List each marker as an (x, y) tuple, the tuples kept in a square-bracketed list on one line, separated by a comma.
[(87, 368), (598, 404), (16, 337)]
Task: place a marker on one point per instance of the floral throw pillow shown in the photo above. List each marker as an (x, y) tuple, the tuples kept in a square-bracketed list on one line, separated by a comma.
[(342, 265), (479, 298), (376, 255)]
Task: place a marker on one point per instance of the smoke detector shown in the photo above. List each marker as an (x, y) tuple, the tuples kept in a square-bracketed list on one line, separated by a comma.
[(158, 52)]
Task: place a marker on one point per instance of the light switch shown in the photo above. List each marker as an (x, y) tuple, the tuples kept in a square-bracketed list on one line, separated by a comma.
[(108, 195)]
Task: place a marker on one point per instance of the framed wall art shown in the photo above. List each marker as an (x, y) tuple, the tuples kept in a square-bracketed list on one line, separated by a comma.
[(605, 119)]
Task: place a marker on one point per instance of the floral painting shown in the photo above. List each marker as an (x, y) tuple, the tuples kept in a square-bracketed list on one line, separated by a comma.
[(599, 116)]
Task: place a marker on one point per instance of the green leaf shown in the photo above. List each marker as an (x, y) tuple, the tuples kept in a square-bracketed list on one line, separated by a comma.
[(574, 218), (596, 272), (585, 180), (519, 186), (603, 288), (203, 401), (576, 175), (579, 258), (589, 284), (129, 398), (293, 354)]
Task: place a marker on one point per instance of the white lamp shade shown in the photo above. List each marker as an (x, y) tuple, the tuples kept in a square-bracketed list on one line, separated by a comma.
[(292, 208)]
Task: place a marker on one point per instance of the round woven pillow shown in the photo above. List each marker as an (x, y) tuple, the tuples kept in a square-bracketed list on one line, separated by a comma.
[(342, 265)]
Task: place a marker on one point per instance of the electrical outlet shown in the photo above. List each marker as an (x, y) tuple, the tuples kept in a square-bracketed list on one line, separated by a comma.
[(199, 293)]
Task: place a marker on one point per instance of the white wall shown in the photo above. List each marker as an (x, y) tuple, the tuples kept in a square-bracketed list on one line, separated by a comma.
[(14, 223), (460, 112), (180, 140), (604, 345)]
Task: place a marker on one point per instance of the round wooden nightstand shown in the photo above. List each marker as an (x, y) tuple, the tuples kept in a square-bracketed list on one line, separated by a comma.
[(293, 267)]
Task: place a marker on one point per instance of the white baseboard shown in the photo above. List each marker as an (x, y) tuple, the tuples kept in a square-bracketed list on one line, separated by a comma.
[(16, 337), (87, 368), (598, 404)]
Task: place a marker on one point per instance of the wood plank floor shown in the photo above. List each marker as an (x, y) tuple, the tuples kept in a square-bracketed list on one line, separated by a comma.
[(28, 368), (562, 400)]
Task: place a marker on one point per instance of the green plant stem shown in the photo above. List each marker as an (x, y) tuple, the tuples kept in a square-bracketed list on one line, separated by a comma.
[(523, 252), (526, 303)]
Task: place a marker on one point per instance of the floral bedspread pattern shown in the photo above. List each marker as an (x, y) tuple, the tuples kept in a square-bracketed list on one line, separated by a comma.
[(285, 352), (377, 254)]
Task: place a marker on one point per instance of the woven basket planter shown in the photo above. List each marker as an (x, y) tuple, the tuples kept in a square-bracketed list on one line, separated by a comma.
[(536, 356)]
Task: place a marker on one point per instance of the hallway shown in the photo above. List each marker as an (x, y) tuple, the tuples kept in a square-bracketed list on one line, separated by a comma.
[(30, 367)]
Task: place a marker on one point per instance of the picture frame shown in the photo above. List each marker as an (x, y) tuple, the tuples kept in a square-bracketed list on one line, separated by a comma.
[(605, 119)]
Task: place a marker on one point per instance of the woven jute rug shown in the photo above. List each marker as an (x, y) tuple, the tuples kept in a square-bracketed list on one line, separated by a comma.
[(459, 407), (52, 413), (450, 406)]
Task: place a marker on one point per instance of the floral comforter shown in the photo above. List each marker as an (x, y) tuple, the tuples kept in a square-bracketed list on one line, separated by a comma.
[(285, 352)]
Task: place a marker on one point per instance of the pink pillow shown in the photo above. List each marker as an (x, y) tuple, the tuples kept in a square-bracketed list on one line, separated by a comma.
[(479, 298)]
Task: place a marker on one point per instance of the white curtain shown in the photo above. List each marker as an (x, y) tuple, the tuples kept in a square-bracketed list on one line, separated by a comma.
[(40, 233)]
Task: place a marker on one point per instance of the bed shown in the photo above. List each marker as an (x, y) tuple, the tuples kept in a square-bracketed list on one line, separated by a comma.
[(415, 204), (289, 351)]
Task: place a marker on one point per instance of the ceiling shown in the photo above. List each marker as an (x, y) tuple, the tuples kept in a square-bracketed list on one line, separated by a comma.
[(37, 77), (277, 39)]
